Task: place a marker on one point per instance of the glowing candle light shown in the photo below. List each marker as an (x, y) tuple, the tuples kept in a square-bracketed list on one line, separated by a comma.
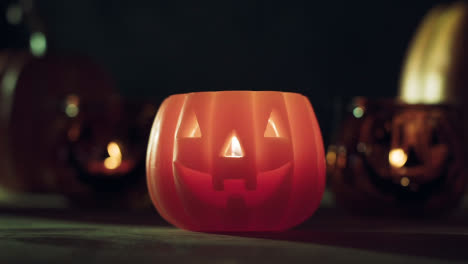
[(115, 156), (233, 148), (397, 157)]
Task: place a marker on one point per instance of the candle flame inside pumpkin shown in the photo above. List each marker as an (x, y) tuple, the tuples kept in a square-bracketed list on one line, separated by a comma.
[(233, 148)]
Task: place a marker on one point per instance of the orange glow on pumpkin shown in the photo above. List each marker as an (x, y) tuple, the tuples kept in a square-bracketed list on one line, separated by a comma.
[(236, 161)]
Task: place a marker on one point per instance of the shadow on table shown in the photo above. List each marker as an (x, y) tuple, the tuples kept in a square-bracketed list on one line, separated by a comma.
[(443, 238), (140, 218), (443, 246)]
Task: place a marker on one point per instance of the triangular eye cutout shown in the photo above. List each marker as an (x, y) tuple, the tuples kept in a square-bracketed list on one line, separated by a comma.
[(190, 127), (272, 129), (195, 133), (232, 148)]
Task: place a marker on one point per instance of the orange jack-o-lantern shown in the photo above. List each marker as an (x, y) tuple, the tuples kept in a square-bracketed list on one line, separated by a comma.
[(399, 158), (236, 160)]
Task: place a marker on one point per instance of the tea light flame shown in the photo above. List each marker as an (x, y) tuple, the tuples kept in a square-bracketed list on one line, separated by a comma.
[(397, 157), (115, 156), (233, 148)]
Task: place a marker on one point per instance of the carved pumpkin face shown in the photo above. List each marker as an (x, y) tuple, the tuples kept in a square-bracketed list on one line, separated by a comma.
[(412, 144), (420, 145), (408, 158), (232, 161)]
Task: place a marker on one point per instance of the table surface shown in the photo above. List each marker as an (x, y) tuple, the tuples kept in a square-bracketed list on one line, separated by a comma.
[(330, 236)]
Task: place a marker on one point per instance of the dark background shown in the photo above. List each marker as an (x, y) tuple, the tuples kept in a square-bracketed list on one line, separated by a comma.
[(327, 50)]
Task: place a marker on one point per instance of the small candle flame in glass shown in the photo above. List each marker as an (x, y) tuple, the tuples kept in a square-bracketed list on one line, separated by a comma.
[(115, 156)]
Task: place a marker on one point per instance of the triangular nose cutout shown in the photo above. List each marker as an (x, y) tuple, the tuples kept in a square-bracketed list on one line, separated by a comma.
[(232, 148)]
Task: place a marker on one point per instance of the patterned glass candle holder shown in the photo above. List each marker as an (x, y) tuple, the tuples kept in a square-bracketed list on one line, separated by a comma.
[(63, 130), (39, 97), (104, 150), (236, 160), (399, 159)]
